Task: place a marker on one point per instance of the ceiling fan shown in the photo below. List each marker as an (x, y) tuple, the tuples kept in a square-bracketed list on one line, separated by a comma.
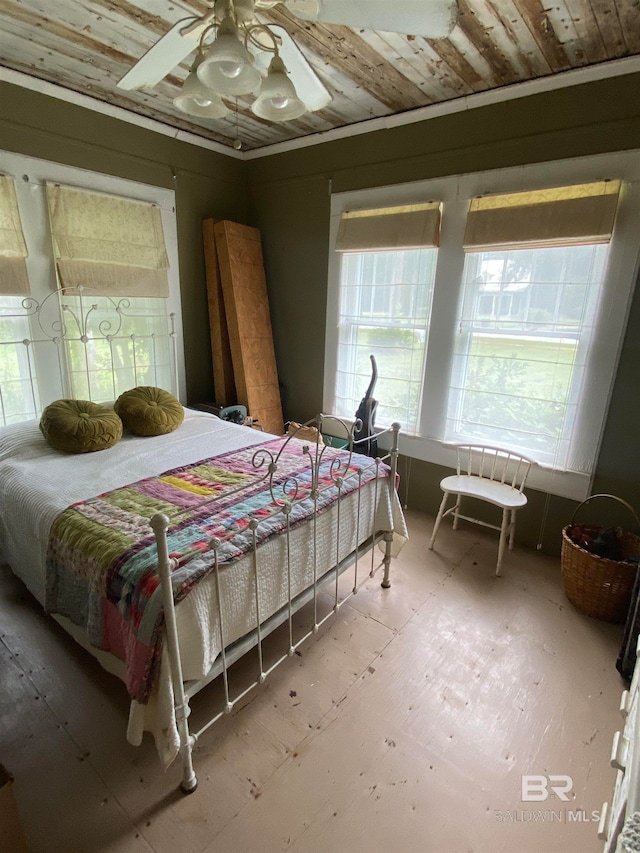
[(250, 57)]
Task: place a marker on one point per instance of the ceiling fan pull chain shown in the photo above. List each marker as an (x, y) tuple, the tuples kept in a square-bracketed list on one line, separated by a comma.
[(237, 144)]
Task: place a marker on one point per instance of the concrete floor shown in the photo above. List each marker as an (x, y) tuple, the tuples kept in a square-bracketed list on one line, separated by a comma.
[(405, 725)]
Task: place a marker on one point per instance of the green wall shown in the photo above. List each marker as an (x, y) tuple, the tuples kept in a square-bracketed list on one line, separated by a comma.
[(288, 197), (290, 203), (206, 184)]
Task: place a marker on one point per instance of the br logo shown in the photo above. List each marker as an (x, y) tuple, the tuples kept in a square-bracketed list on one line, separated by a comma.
[(536, 789)]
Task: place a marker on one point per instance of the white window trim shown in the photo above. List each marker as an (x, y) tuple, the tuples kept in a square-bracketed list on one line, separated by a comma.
[(454, 192), (31, 175)]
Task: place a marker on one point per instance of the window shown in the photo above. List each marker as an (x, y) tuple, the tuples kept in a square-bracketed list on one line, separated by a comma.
[(16, 402), (533, 275), (385, 311), (524, 330), (137, 352), (13, 249), (385, 307), (16, 396), (507, 328), (117, 240)]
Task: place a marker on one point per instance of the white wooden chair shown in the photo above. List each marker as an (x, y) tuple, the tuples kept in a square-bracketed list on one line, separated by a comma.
[(488, 474)]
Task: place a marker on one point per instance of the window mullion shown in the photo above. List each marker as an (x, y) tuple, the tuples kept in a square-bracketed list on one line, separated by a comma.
[(446, 295)]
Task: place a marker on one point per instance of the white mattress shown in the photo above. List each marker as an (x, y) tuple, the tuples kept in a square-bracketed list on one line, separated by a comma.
[(37, 483)]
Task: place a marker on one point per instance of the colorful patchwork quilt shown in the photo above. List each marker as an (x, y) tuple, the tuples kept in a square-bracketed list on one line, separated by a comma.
[(101, 555)]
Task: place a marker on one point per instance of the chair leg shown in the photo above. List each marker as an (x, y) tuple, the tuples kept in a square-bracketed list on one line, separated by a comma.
[(503, 537), (438, 520), (457, 510), (512, 529)]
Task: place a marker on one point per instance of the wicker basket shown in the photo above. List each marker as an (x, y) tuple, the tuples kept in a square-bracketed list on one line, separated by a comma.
[(595, 585)]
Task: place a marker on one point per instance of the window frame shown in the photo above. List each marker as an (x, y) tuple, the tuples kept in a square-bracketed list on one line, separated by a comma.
[(455, 193), (418, 323), (470, 329), (31, 176)]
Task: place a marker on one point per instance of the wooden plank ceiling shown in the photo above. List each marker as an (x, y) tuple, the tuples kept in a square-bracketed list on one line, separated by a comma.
[(88, 45)]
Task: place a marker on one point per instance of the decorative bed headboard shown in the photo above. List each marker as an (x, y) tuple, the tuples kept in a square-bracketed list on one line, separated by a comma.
[(79, 344)]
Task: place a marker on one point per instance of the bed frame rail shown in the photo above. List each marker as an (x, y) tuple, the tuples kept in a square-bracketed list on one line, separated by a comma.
[(366, 538)]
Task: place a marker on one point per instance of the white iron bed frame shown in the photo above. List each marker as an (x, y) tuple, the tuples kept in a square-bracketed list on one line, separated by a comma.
[(74, 323), (233, 652)]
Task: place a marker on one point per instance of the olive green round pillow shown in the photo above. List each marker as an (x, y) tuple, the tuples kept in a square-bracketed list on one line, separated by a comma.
[(79, 426), (149, 411)]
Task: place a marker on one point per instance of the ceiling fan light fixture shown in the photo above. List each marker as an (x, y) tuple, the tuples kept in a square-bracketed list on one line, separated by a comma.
[(196, 100), (227, 67), (195, 107), (278, 99)]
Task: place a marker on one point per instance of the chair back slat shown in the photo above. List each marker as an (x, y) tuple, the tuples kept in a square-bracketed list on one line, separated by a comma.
[(528, 465), (505, 467), (493, 463)]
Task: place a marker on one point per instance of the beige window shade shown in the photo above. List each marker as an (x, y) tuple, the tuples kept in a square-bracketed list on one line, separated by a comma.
[(111, 244), (411, 226), (14, 280), (562, 216)]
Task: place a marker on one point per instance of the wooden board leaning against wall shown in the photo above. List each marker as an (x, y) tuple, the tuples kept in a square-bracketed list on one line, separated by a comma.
[(244, 364)]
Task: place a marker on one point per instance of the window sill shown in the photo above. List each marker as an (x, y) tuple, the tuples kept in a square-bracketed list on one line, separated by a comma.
[(543, 478)]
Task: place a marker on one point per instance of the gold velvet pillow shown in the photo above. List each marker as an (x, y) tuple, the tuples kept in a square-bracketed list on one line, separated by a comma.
[(79, 426), (149, 411)]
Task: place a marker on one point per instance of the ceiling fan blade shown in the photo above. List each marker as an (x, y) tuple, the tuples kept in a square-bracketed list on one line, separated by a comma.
[(166, 53), (309, 87), (430, 18)]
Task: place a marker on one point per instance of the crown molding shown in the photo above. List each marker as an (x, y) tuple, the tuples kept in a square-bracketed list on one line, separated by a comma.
[(563, 80), (53, 90)]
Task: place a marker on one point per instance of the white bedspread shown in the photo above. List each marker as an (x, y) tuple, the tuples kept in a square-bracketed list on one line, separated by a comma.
[(37, 483)]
